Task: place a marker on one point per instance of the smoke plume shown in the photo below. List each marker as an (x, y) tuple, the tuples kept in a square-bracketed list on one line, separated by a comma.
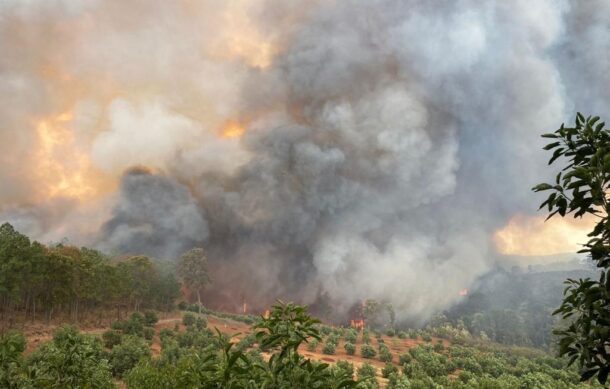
[(353, 149)]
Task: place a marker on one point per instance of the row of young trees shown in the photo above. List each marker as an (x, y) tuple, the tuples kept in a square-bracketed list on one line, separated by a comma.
[(38, 281)]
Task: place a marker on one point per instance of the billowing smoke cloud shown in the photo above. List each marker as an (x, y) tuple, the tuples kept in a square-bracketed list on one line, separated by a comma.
[(383, 141)]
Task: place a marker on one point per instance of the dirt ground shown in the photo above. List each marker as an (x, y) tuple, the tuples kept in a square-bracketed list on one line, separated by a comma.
[(37, 334)]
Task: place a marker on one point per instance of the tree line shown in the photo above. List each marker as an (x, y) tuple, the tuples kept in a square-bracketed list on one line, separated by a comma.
[(44, 281)]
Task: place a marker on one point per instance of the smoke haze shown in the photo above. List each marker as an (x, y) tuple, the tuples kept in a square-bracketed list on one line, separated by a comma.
[(362, 149)]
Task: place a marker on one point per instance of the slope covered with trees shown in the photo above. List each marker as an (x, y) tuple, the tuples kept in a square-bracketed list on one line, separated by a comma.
[(38, 281)]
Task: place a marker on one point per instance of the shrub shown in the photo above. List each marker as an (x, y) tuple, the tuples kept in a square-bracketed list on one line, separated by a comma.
[(413, 334), (427, 338), (312, 345), (350, 348), (149, 333), (166, 333), (367, 351), (150, 318), (351, 336), (347, 368), (70, 360), (402, 335), (182, 305), (329, 348), (366, 371), (111, 338), (388, 369), (125, 356), (118, 325), (390, 332), (188, 319), (384, 354), (201, 323), (12, 345), (438, 347), (404, 359)]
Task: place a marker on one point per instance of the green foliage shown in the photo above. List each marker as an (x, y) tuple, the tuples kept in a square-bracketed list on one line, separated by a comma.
[(70, 360), (350, 348), (148, 333), (580, 188), (125, 355), (201, 323), (111, 338), (150, 318), (367, 351), (384, 354), (329, 348), (366, 370), (388, 369), (404, 358), (351, 336), (188, 319), (402, 335), (12, 345), (312, 345), (193, 269), (390, 332), (347, 368)]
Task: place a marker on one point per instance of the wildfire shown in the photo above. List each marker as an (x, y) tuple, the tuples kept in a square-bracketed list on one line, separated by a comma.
[(531, 235), (63, 169), (232, 129), (357, 324)]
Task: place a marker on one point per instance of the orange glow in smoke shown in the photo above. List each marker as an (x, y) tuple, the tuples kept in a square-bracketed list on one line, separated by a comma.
[(232, 129), (531, 235), (62, 169)]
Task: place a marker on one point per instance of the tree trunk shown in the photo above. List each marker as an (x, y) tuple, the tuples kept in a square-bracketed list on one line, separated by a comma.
[(199, 300)]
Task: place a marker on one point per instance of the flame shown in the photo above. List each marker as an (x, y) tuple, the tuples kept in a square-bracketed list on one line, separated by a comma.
[(532, 236), (232, 129), (240, 39), (61, 168)]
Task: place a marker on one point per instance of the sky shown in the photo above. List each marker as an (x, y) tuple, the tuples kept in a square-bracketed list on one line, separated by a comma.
[(351, 149)]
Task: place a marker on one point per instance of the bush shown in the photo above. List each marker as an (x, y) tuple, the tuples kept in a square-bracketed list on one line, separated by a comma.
[(149, 333), (111, 338), (166, 333), (150, 318), (312, 345), (12, 345), (404, 359), (366, 371), (427, 338), (384, 354), (350, 348), (188, 319), (201, 323), (413, 334), (329, 348), (367, 351), (347, 368), (351, 336), (390, 332), (439, 347), (70, 360), (182, 305), (123, 357), (388, 369), (402, 335)]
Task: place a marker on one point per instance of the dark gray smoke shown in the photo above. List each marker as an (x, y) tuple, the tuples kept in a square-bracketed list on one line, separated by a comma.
[(386, 140)]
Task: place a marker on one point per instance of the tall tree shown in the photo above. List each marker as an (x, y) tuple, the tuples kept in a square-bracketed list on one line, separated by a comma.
[(582, 188), (193, 270)]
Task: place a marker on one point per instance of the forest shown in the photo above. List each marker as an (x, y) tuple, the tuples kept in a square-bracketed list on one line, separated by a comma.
[(124, 296)]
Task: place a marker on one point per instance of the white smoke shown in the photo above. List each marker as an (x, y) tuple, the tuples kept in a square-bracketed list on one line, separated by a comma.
[(385, 141)]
